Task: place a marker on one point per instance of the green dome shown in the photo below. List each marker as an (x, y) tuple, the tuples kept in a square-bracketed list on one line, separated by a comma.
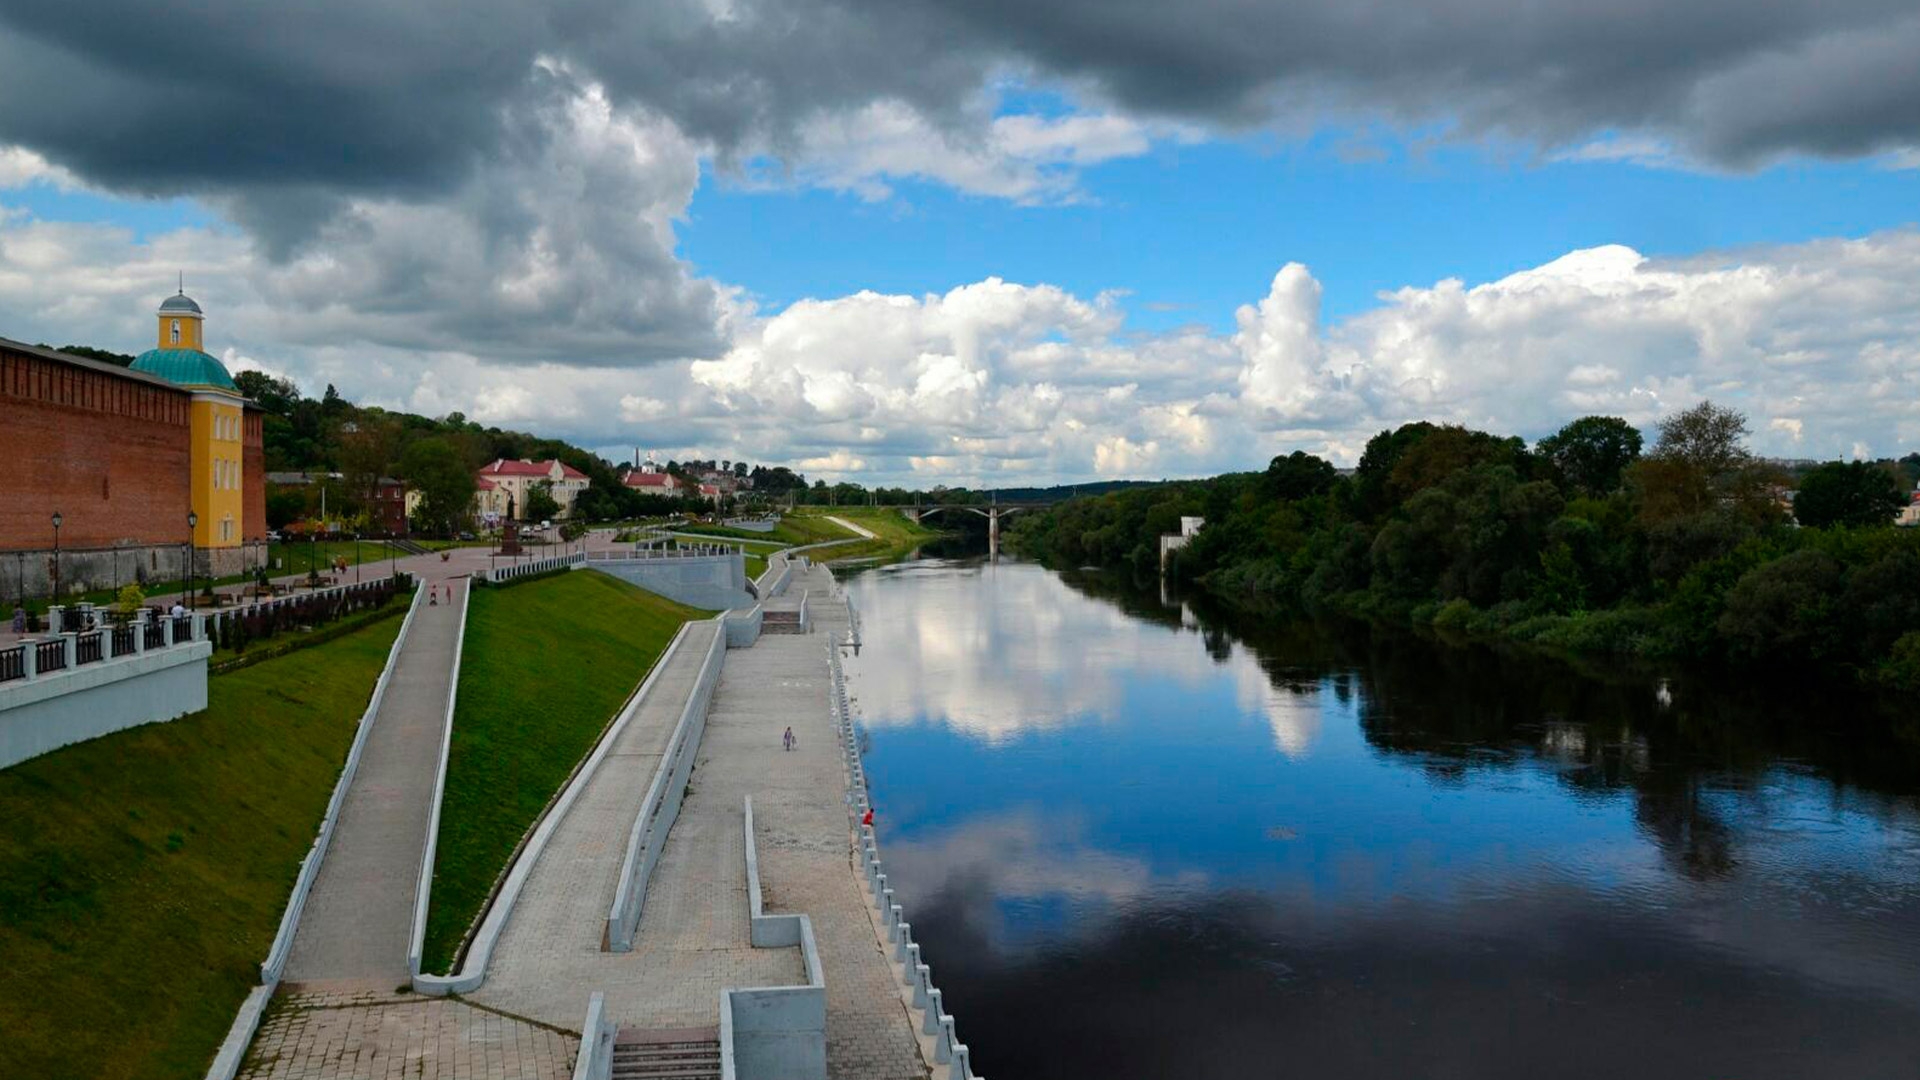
[(185, 367)]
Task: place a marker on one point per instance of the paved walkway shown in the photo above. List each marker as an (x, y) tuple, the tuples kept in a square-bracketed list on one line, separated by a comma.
[(693, 927), (382, 1036), (807, 864), (357, 919)]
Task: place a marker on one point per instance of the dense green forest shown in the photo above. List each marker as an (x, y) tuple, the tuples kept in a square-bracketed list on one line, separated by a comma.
[(1690, 550)]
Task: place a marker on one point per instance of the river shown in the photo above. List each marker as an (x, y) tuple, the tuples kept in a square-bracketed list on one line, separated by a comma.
[(1137, 839)]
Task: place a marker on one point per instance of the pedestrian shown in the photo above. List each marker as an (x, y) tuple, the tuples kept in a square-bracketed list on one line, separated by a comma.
[(867, 818), (19, 619), (787, 739), (178, 611), (433, 595)]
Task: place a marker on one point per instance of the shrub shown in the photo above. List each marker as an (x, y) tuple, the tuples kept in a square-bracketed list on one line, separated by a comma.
[(1455, 616), (1901, 669)]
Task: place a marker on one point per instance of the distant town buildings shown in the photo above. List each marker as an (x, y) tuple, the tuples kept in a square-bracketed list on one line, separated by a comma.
[(518, 479)]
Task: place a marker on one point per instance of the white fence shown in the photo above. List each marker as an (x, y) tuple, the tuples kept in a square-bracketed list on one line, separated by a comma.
[(948, 1050)]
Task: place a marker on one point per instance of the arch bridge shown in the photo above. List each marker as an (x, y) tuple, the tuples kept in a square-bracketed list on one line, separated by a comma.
[(992, 511)]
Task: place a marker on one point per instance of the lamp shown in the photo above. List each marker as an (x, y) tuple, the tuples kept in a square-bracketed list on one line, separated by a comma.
[(56, 556), (193, 522)]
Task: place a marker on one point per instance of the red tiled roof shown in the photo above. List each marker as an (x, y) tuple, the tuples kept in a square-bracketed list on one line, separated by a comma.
[(658, 479), (503, 467), (485, 484)]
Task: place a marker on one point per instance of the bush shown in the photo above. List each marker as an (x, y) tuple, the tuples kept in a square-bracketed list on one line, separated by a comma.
[(129, 600), (1901, 669), (1456, 616), (1788, 607)]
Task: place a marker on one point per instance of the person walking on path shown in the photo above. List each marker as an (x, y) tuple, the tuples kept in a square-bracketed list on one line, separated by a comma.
[(19, 619), (433, 595), (787, 740)]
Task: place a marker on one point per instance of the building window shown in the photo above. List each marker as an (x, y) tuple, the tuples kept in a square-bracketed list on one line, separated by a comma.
[(176, 331)]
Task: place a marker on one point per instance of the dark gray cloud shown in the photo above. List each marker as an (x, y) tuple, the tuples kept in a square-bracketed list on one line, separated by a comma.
[(289, 102)]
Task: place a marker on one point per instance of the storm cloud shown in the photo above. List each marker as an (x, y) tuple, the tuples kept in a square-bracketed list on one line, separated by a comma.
[(291, 106)]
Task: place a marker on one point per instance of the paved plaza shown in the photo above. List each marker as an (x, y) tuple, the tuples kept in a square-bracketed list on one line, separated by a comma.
[(370, 1035)]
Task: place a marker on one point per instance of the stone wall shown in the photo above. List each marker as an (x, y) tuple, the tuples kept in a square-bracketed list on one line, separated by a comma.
[(105, 448), (713, 582), (92, 700), (29, 574)]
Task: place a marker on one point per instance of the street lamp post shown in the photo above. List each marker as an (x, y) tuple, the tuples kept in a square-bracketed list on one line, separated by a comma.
[(193, 522), (56, 558), (356, 558)]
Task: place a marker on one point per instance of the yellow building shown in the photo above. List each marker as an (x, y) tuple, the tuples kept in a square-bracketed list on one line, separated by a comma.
[(222, 434)]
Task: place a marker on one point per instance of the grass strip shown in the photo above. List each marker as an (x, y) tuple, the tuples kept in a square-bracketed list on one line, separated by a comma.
[(143, 873), (543, 670)]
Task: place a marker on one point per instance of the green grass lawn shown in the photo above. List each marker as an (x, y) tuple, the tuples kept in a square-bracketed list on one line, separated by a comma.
[(809, 525), (143, 873), (544, 668)]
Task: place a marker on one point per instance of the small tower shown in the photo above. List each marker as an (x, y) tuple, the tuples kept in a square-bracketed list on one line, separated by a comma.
[(217, 425), (180, 320)]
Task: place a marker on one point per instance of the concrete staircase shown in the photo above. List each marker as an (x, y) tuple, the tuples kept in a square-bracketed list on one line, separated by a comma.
[(780, 622), (667, 1054)]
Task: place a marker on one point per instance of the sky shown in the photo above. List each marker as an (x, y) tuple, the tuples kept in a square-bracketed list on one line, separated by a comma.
[(990, 242)]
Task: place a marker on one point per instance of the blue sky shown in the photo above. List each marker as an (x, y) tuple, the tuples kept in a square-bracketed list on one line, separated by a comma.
[(1200, 229)]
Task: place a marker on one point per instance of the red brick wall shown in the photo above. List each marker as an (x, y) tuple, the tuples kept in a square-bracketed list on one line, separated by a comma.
[(253, 480), (109, 452)]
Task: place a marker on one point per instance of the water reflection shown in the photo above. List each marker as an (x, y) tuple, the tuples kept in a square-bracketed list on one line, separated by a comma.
[(1141, 838)]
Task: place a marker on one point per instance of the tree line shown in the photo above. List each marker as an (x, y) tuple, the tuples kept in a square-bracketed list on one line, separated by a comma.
[(1693, 549), (437, 458)]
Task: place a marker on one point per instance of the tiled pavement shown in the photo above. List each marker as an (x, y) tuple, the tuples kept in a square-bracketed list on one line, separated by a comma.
[(357, 919), (800, 818), (378, 1035)]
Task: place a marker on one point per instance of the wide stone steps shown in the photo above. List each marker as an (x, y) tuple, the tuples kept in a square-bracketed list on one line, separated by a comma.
[(780, 622), (672, 1054), (667, 1061)]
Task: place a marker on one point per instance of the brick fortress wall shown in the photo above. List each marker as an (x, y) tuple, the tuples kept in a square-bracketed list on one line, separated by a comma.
[(109, 450)]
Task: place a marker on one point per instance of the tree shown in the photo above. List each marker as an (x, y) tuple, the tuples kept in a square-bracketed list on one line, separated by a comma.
[(541, 505), (368, 448), (1848, 493), (1701, 464), (435, 470), (1298, 475), (1592, 452)]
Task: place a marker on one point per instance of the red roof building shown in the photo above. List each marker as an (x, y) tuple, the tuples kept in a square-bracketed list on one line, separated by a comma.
[(515, 480)]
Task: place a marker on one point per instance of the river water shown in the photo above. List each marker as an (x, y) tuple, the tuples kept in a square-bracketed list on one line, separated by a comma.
[(1136, 839)]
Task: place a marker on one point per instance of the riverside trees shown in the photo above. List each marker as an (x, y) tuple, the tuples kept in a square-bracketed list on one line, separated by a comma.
[(1580, 541)]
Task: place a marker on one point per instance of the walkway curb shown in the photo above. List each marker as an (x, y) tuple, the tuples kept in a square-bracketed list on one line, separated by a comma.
[(423, 885)]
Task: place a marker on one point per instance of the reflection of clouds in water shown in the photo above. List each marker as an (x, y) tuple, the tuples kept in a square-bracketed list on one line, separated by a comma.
[(1032, 855), (1022, 654), (1292, 712)]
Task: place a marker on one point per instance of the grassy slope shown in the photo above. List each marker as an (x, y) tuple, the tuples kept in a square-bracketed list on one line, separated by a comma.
[(895, 534), (544, 668), (142, 874)]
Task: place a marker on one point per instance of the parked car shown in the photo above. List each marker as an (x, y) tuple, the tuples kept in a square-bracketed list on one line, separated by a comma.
[(466, 536)]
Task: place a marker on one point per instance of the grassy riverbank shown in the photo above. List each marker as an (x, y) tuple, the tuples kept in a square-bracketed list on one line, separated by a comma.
[(544, 668), (143, 873)]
